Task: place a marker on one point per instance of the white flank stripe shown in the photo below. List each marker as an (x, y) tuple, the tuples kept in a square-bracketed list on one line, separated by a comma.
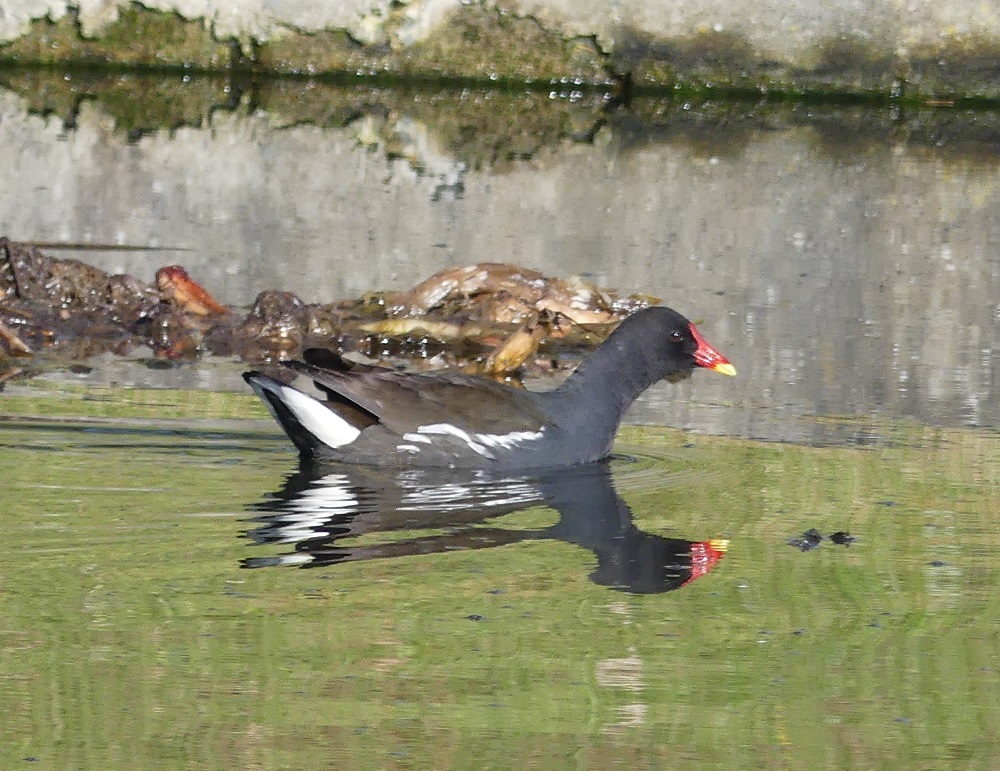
[(411, 448), (325, 425), (513, 439), (417, 438), (447, 429)]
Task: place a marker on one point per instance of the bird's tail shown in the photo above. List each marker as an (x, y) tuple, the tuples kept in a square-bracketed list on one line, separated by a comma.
[(309, 423)]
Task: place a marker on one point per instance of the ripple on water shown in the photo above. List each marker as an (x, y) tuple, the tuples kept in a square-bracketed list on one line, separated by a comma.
[(648, 466)]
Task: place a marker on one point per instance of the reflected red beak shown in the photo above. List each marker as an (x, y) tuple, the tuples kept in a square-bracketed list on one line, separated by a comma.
[(705, 555), (707, 356)]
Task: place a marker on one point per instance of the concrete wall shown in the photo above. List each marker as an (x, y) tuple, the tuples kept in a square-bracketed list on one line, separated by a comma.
[(885, 46), (784, 29)]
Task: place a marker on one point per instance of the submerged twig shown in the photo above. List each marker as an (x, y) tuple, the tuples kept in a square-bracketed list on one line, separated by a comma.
[(81, 247), (16, 345)]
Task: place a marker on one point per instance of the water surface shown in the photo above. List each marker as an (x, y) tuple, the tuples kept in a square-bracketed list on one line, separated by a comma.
[(133, 636), (844, 258)]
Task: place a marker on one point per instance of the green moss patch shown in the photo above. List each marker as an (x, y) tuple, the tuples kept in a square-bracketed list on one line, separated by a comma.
[(486, 44), (139, 38)]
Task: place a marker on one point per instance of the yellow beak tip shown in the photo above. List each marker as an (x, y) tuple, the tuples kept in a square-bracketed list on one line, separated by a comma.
[(725, 369)]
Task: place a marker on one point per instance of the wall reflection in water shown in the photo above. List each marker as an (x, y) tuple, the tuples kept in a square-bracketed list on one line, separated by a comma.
[(845, 257)]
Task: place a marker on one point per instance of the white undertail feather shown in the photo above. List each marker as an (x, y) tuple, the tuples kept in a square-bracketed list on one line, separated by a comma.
[(319, 420)]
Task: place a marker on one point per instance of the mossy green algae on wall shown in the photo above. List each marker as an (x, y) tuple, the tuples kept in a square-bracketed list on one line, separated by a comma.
[(139, 38), (484, 41), (473, 43)]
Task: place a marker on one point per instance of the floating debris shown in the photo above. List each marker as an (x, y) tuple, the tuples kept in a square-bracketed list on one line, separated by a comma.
[(499, 293), (175, 283), (494, 319), (842, 538), (512, 354), (442, 330), (15, 344), (808, 541), (812, 538)]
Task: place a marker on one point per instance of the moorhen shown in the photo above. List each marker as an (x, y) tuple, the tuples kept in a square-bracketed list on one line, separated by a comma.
[(377, 416)]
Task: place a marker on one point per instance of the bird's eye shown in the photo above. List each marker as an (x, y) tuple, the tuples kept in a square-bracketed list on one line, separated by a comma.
[(675, 336)]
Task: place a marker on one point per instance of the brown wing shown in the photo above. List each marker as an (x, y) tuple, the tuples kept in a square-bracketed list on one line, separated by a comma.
[(402, 402)]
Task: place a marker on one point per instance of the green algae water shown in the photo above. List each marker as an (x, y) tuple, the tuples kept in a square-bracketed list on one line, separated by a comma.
[(132, 637), (801, 575)]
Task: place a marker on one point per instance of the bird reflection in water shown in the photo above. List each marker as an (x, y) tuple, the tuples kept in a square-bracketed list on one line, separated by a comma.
[(321, 506)]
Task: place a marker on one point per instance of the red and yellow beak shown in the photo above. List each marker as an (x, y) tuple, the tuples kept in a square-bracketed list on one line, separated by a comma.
[(706, 356)]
